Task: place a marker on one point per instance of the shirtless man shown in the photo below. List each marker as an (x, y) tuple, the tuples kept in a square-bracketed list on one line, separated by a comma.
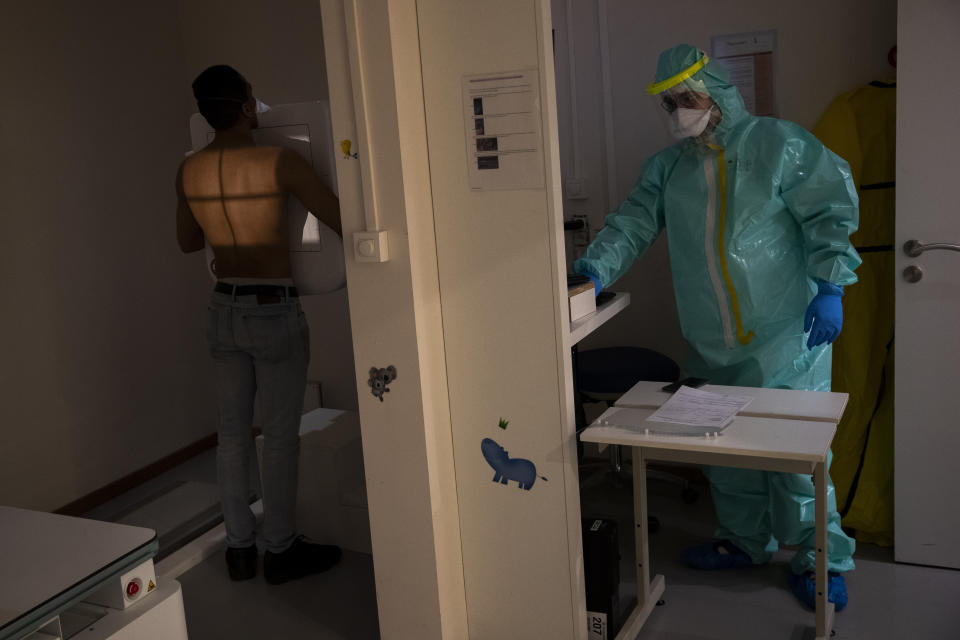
[(233, 195)]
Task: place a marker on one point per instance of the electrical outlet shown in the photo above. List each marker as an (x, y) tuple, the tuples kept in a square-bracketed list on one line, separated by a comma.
[(576, 189), (581, 237)]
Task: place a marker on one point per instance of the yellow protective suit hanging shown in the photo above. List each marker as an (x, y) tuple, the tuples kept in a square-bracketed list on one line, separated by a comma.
[(860, 127)]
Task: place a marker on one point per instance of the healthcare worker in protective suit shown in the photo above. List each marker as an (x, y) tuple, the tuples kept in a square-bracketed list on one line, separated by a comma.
[(758, 215)]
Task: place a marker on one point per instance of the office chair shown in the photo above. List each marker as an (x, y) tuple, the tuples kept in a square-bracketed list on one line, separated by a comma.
[(603, 375)]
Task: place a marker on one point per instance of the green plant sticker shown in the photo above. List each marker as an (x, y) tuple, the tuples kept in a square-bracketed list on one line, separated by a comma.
[(503, 423)]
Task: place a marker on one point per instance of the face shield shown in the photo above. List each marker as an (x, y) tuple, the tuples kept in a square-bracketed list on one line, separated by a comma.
[(686, 106)]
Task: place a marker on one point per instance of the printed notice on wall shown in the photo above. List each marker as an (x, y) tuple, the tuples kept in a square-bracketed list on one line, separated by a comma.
[(502, 117), (748, 57)]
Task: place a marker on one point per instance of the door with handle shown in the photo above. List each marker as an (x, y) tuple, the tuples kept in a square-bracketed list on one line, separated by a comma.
[(927, 439), (914, 248)]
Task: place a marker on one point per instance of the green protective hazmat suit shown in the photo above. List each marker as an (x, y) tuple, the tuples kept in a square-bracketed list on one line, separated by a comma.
[(757, 211)]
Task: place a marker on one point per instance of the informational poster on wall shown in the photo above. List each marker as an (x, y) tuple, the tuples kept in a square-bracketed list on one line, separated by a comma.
[(502, 122), (749, 59)]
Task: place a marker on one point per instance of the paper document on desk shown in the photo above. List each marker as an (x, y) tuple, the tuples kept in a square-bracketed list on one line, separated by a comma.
[(695, 408)]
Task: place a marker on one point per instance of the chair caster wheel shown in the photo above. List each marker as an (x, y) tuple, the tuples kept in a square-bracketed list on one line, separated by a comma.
[(689, 496)]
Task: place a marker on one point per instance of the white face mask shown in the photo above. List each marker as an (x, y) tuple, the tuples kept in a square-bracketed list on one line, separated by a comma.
[(689, 123), (261, 107)]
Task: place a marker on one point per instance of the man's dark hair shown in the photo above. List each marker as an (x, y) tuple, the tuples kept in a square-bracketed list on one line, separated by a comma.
[(220, 92)]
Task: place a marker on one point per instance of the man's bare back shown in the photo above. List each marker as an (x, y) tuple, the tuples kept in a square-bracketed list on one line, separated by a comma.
[(234, 194)]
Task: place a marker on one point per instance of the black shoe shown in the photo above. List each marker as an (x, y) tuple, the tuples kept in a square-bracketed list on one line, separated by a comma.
[(301, 559), (242, 562)]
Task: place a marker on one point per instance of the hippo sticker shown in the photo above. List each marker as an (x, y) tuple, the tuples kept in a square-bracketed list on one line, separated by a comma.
[(379, 379), (507, 468)]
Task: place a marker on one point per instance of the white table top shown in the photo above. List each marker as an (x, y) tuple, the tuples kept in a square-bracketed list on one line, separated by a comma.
[(581, 328), (772, 403), (804, 440), (44, 556)]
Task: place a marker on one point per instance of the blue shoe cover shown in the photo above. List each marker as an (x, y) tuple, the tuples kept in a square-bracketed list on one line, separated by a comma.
[(804, 588), (708, 556)]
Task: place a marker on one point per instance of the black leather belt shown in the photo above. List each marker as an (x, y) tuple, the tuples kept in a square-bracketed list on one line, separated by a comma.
[(259, 290)]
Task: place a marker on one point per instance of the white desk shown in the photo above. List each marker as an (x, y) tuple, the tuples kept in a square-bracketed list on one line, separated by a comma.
[(768, 403), (792, 444)]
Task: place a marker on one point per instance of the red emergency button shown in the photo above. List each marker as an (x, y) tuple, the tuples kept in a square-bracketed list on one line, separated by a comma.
[(133, 588)]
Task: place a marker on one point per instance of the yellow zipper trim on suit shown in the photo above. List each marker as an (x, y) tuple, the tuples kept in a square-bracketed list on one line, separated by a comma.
[(721, 226), (710, 254)]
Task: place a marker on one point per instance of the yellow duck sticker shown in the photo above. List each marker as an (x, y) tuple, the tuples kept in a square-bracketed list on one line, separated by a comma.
[(345, 145)]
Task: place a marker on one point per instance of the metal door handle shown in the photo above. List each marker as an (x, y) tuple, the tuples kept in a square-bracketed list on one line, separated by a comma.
[(914, 248)]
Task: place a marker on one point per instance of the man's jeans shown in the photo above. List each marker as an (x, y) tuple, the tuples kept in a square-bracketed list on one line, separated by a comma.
[(265, 348)]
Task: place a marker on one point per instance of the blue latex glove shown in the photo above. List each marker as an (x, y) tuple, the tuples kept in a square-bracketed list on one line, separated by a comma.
[(597, 286), (824, 316)]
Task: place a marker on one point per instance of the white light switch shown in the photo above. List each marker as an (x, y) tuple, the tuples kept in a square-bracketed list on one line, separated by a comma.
[(370, 246)]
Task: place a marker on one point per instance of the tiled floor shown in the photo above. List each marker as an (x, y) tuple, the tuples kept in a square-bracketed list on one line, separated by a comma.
[(179, 504), (887, 600), (201, 468), (340, 604)]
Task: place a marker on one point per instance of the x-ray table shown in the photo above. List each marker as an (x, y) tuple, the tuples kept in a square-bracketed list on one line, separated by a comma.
[(49, 563), (781, 430)]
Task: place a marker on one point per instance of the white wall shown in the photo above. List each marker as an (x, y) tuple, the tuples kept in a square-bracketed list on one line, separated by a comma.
[(104, 366), (278, 47), (276, 44), (824, 48)]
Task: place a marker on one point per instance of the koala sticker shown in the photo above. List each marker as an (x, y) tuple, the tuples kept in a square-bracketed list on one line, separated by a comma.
[(379, 379)]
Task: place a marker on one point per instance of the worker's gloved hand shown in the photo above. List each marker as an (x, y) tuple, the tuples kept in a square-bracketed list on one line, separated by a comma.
[(596, 284), (824, 316)]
